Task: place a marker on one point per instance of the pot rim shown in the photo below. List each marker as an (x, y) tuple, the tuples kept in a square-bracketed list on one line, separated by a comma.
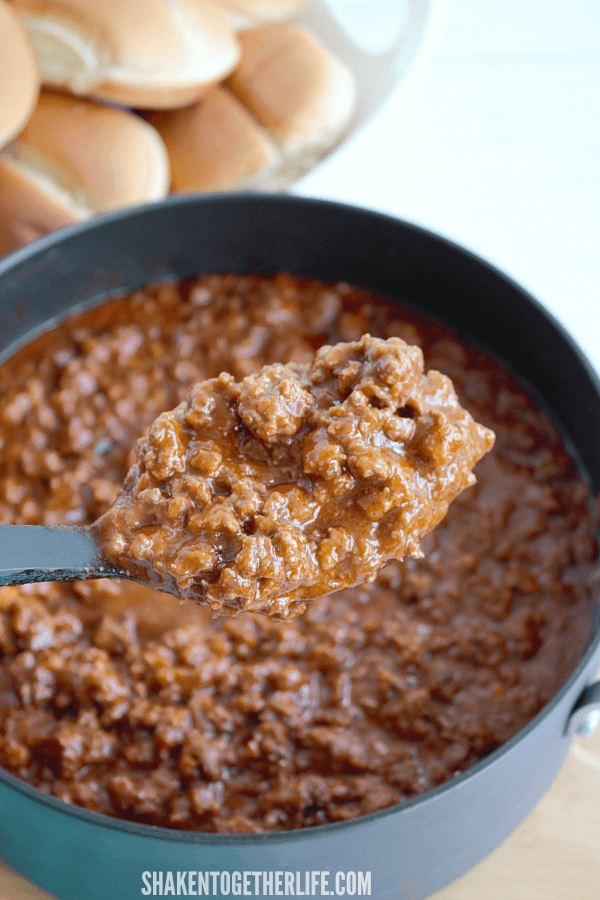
[(53, 242)]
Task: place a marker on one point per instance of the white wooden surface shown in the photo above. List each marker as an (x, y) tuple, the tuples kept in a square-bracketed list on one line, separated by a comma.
[(500, 150)]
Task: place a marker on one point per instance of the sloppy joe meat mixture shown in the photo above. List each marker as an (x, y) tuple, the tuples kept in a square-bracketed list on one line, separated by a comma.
[(295, 482), (126, 702)]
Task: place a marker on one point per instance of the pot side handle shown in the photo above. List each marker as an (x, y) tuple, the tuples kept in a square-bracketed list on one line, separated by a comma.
[(585, 715)]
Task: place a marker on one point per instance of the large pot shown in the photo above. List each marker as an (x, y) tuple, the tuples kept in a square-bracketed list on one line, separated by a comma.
[(412, 849)]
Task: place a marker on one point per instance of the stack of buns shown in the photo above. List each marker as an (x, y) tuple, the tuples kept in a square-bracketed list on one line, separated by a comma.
[(108, 104)]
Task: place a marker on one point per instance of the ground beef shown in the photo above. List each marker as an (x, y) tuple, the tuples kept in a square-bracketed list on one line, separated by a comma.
[(124, 701), (295, 482)]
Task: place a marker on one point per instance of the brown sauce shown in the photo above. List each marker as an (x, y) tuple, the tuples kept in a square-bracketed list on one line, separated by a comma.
[(295, 482), (128, 703)]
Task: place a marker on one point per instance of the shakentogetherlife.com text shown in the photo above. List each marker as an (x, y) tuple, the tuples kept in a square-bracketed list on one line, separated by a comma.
[(256, 884)]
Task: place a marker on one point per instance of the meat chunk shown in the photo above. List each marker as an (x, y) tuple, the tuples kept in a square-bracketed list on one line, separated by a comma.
[(296, 481)]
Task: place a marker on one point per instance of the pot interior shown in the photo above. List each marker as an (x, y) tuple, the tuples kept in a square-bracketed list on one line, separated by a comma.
[(184, 236)]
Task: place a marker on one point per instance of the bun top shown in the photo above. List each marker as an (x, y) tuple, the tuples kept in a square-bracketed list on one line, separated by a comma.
[(215, 144), (145, 53), (118, 157), (75, 158), (294, 86), (19, 81)]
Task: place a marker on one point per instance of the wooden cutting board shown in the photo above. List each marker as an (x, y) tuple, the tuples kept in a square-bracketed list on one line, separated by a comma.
[(553, 855)]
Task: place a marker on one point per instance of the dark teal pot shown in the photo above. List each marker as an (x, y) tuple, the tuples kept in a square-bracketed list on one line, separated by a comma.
[(408, 851)]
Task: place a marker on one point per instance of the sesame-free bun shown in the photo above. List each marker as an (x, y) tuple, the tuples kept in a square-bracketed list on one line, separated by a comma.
[(294, 86), (143, 53), (76, 157), (215, 145), (19, 81), (29, 208), (250, 13)]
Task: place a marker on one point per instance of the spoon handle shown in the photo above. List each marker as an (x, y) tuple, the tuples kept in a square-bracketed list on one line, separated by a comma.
[(30, 553)]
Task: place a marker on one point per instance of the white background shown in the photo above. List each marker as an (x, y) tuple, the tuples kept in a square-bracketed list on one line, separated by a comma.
[(499, 149)]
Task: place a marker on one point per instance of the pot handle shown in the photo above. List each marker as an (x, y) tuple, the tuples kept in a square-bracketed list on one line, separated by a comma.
[(585, 715)]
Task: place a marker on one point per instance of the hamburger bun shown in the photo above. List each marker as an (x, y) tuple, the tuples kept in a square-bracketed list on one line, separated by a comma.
[(76, 157), (19, 81), (143, 53), (295, 87), (215, 145)]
